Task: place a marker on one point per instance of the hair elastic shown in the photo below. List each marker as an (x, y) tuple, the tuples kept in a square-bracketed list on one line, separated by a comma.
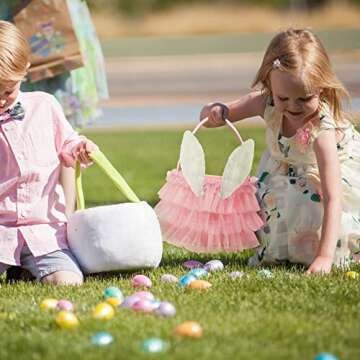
[(276, 63)]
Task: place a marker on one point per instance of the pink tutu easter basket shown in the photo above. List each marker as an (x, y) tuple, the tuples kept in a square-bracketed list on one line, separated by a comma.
[(208, 213)]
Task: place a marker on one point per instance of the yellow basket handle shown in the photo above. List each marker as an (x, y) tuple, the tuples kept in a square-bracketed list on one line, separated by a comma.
[(105, 165)]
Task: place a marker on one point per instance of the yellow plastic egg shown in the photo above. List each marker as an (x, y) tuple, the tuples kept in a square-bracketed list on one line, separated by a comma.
[(352, 274), (48, 304), (199, 284), (103, 311), (189, 329), (67, 320), (115, 302)]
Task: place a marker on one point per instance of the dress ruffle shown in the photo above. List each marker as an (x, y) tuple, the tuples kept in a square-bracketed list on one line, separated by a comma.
[(208, 223)]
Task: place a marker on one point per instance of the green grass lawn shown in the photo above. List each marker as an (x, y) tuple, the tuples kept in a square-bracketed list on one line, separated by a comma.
[(289, 316)]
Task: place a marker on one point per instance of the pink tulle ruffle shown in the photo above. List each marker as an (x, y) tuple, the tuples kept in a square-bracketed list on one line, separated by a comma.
[(208, 223)]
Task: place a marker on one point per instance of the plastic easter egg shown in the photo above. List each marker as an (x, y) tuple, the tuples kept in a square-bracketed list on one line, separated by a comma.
[(66, 320), (144, 295), (155, 304), (186, 280), (325, 356), (113, 292), (48, 304), (166, 309), (189, 329), (265, 273), (103, 311), (143, 305), (154, 345), (199, 272), (129, 301), (214, 265), (190, 264), (236, 274), (141, 281), (114, 301), (102, 339), (352, 275), (169, 278), (199, 284), (64, 304)]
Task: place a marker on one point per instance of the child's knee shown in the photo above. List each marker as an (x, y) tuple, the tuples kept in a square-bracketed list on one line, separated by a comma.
[(63, 278)]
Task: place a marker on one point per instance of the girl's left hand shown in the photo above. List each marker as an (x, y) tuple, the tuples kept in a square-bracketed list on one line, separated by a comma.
[(82, 151), (321, 264)]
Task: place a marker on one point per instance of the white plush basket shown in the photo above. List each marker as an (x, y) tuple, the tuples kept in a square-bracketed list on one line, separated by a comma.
[(114, 237)]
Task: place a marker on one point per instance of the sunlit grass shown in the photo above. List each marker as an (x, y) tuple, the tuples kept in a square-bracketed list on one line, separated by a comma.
[(289, 316)]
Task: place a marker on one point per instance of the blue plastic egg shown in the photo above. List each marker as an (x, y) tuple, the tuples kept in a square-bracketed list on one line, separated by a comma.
[(154, 345), (326, 356), (102, 339), (186, 280), (113, 292), (199, 273)]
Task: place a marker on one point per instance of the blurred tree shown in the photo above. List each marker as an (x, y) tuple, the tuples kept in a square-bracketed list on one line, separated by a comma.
[(141, 7)]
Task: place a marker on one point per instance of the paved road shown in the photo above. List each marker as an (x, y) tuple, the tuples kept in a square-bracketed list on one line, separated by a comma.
[(189, 79), (173, 88)]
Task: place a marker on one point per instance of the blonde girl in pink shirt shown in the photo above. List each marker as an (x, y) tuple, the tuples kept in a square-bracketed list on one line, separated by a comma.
[(35, 141)]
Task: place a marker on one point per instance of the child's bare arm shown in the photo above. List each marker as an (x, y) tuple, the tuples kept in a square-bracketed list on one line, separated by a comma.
[(330, 177), (252, 104)]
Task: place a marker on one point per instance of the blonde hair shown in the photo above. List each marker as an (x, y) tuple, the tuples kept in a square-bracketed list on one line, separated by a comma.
[(301, 53), (14, 53)]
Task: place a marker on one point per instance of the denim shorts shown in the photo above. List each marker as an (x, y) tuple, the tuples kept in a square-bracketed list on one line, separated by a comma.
[(44, 265)]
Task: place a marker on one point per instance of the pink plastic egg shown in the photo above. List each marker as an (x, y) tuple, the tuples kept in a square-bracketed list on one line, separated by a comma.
[(144, 295), (64, 304), (143, 305), (141, 281)]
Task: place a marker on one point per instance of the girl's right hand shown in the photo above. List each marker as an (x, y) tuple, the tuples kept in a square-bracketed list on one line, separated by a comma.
[(216, 114)]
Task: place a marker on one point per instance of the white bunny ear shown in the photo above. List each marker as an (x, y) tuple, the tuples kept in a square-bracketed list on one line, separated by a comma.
[(237, 168), (192, 161)]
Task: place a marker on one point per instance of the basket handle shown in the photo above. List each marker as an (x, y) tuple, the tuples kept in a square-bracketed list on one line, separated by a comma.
[(105, 165), (228, 123), (203, 121)]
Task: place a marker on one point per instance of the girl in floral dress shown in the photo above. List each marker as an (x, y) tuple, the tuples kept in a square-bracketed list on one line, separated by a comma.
[(308, 178)]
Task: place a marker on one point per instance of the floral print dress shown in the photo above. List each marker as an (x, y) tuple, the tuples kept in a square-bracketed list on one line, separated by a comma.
[(290, 197)]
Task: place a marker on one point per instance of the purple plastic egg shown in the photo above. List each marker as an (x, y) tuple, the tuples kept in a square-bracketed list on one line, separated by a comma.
[(166, 309), (129, 301), (190, 264), (144, 295), (64, 304), (169, 278), (143, 305), (141, 281), (214, 265)]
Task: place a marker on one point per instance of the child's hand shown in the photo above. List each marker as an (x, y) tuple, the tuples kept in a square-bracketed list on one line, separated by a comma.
[(216, 113), (82, 151), (321, 264)]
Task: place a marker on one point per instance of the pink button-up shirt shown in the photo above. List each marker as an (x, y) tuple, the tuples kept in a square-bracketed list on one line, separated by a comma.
[(32, 202)]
